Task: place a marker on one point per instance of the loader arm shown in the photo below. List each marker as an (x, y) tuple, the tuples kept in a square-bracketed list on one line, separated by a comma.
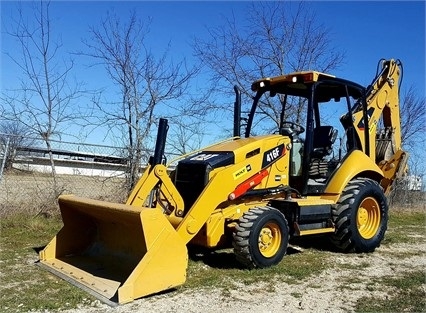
[(156, 179), (218, 189), (216, 192)]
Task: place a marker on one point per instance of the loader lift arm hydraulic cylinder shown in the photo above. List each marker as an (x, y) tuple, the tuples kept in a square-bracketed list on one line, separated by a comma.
[(156, 177), (158, 154), (237, 112), (161, 142)]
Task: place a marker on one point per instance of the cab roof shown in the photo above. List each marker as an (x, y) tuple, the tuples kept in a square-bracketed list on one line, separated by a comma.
[(298, 84)]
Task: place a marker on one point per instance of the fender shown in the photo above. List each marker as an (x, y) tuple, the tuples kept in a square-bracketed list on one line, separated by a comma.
[(354, 165)]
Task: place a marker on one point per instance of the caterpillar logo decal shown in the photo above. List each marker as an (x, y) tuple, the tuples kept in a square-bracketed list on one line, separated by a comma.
[(272, 155), (203, 157)]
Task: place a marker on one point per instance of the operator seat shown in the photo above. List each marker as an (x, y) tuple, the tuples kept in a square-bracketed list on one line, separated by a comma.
[(324, 137)]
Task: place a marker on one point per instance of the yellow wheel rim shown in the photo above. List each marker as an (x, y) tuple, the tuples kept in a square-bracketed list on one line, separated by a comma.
[(269, 239), (368, 218)]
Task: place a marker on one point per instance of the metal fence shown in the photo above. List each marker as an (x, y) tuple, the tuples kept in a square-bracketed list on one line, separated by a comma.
[(87, 170), (4, 148), (404, 196)]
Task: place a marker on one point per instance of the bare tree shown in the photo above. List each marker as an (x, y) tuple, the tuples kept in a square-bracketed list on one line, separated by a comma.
[(274, 38), (14, 135), (186, 136), (145, 81), (44, 100), (413, 122), (413, 131), (413, 134)]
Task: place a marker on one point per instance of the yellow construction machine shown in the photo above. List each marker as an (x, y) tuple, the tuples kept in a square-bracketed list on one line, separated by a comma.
[(252, 193)]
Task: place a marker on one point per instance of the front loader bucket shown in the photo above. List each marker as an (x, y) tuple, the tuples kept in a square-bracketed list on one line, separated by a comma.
[(116, 252)]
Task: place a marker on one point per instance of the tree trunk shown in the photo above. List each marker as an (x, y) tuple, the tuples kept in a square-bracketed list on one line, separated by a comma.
[(55, 187)]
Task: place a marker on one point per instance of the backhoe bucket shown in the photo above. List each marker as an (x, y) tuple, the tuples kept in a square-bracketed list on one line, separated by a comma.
[(116, 252)]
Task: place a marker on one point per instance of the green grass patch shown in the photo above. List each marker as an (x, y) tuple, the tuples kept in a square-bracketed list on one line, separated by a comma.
[(296, 295), (220, 269), (407, 218), (349, 282), (407, 295), (403, 254), (405, 227), (25, 286), (354, 266)]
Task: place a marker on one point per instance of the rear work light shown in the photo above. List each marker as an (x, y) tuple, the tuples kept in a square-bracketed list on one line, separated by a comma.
[(303, 78)]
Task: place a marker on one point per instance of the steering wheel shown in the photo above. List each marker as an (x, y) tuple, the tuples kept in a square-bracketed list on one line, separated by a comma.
[(291, 128)]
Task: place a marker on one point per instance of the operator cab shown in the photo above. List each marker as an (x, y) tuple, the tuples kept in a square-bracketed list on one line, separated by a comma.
[(316, 114)]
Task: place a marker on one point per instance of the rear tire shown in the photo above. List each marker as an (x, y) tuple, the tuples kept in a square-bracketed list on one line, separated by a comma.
[(261, 237), (360, 217)]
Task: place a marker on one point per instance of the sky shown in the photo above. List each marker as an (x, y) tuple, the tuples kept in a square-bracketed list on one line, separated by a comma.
[(366, 31)]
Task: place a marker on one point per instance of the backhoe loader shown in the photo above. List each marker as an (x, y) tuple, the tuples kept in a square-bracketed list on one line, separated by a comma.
[(252, 193)]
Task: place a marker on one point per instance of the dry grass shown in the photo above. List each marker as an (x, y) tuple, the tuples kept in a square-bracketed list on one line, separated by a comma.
[(33, 193)]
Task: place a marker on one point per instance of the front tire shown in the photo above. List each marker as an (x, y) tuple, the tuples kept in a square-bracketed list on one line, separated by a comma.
[(261, 237), (360, 217)]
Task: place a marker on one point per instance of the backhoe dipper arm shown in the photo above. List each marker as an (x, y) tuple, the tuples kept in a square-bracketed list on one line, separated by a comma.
[(382, 106), (384, 98)]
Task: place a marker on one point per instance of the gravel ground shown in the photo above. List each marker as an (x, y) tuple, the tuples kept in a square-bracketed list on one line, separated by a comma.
[(328, 292)]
